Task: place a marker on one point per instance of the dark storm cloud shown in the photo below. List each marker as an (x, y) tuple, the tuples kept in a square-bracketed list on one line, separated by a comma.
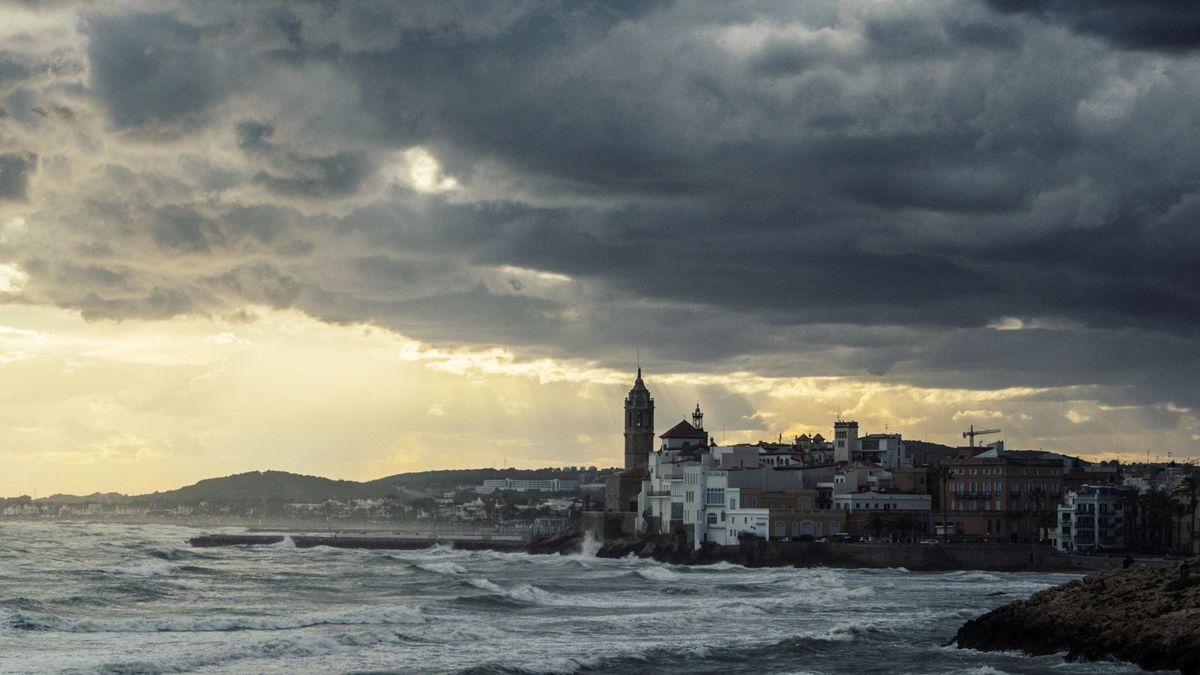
[(153, 71), (1165, 25), (817, 188), (334, 175), (15, 170)]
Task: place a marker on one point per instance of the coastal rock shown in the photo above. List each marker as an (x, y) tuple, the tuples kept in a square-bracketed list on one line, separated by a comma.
[(1147, 614)]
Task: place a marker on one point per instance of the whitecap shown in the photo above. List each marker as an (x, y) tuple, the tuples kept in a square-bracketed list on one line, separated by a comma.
[(442, 568), (364, 615), (658, 574), (146, 570)]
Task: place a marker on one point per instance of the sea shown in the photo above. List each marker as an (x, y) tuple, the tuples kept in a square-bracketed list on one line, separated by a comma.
[(115, 598)]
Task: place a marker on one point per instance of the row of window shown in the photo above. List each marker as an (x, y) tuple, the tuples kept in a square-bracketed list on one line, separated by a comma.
[(999, 471)]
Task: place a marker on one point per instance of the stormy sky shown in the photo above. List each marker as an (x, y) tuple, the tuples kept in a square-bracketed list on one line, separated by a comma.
[(367, 237)]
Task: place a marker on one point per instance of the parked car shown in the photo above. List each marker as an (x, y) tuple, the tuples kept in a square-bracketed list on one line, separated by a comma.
[(930, 541)]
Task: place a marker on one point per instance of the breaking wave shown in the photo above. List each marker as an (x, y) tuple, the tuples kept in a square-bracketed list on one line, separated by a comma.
[(382, 615)]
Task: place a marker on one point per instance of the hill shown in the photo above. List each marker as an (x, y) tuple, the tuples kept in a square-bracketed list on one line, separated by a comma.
[(260, 485), (282, 485)]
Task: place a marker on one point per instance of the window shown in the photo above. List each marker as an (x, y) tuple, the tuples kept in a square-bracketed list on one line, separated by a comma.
[(714, 496), (711, 519)]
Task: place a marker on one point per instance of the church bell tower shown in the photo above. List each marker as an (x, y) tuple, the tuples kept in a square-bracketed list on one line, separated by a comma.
[(639, 425)]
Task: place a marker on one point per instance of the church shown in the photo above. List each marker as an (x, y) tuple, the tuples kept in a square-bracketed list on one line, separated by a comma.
[(621, 490)]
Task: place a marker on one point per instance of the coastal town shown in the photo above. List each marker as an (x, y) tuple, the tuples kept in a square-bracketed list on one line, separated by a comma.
[(681, 485), (878, 487)]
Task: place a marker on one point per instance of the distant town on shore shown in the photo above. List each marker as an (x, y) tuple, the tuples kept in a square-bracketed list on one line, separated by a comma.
[(852, 486)]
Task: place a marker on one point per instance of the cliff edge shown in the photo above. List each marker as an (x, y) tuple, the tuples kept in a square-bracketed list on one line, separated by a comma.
[(1148, 615)]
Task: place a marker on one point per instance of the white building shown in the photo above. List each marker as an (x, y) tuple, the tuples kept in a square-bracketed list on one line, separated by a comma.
[(880, 502), (689, 488), (1092, 519), (886, 450), (522, 485)]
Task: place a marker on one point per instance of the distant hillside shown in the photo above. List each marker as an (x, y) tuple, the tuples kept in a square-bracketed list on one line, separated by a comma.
[(94, 498), (923, 451), (310, 489), (444, 481), (260, 485)]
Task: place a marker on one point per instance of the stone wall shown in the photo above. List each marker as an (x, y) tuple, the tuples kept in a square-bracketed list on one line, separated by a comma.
[(923, 556)]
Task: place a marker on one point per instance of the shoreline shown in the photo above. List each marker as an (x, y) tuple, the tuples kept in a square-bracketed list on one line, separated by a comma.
[(913, 557)]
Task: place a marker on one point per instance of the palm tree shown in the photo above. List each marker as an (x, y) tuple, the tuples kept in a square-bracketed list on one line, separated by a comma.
[(1190, 487), (1157, 514)]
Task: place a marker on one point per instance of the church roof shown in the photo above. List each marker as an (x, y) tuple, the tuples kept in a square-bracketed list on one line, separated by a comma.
[(684, 430)]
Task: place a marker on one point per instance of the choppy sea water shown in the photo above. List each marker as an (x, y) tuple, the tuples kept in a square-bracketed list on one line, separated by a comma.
[(136, 599)]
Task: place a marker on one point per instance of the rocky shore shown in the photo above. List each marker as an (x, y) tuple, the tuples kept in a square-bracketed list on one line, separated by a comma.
[(1148, 615)]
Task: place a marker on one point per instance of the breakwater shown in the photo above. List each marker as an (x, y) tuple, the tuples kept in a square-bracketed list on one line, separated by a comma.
[(366, 541)]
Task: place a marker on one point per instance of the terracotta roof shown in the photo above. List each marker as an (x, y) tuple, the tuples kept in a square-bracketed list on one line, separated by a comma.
[(684, 430)]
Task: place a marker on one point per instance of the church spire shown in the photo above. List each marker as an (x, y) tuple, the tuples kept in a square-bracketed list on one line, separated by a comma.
[(639, 424)]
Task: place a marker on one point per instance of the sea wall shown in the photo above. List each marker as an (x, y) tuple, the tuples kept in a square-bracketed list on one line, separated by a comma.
[(926, 557)]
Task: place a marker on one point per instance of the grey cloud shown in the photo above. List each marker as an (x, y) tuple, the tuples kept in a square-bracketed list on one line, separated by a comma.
[(156, 303), (259, 283), (335, 175), (183, 230), (153, 71), (15, 170), (339, 174), (12, 69), (1165, 25), (807, 189)]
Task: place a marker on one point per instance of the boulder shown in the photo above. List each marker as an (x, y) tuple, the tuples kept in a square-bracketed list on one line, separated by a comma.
[(1148, 615)]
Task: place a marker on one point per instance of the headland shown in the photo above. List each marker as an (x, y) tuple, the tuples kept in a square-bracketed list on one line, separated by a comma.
[(1147, 614)]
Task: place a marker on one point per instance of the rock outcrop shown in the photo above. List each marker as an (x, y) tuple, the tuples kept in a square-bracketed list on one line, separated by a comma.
[(1147, 614)]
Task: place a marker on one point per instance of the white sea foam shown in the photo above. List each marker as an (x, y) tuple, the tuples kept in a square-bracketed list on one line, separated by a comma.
[(722, 566), (658, 574), (365, 615), (443, 567), (158, 569), (588, 546), (486, 585)]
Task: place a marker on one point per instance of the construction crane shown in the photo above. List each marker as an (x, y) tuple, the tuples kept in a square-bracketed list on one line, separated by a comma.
[(972, 433)]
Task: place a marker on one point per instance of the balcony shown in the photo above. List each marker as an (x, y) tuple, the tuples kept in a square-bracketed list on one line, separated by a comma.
[(658, 493)]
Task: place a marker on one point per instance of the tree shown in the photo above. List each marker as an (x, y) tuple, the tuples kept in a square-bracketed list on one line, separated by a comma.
[(1189, 487), (1156, 514)]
